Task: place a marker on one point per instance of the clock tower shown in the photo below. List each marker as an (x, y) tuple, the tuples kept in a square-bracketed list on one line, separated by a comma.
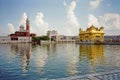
[(27, 27)]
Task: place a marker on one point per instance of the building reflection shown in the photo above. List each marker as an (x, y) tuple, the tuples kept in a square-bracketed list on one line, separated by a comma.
[(52, 48), (73, 59), (40, 55), (23, 50), (94, 54), (72, 65)]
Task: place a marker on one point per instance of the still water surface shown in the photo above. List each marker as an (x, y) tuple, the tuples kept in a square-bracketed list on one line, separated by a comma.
[(27, 62)]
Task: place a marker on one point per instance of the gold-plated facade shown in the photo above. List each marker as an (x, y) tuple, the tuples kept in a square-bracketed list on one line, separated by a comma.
[(92, 34)]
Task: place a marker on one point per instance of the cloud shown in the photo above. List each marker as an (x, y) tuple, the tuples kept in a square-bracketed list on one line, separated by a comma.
[(41, 26), (23, 19), (64, 3), (71, 25), (92, 20), (111, 21), (1, 31), (94, 3), (11, 28)]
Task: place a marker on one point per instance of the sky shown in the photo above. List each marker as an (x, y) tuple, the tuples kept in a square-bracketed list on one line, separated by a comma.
[(65, 16)]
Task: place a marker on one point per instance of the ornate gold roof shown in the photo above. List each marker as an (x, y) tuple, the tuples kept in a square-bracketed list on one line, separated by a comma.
[(92, 29)]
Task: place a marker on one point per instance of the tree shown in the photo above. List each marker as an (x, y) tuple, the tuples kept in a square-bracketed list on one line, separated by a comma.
[(46, 38)]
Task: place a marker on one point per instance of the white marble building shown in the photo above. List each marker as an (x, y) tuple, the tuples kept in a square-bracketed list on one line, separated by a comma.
[(54, 36), (8, 39)]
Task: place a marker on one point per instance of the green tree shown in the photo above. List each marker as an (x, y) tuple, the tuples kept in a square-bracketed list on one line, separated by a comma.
[(38, 38)]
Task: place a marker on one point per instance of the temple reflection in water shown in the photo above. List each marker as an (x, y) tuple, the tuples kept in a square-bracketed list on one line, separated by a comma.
[(94, 54), (23, 50), (90, 55), (56, 60)]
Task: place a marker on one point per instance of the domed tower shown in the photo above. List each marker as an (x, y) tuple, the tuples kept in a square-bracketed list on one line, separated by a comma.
[(22, 28), (27, 27)]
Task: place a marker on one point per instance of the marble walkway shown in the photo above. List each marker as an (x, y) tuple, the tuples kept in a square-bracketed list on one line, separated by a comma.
[(111, 75)]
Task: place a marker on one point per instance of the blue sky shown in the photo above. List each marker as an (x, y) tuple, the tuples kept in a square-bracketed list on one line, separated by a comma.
[(65, 16)]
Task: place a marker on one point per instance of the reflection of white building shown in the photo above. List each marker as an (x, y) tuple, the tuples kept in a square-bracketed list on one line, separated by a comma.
[(21, 52), (72, 64), (54, 36), (40, 58), (72, 59)]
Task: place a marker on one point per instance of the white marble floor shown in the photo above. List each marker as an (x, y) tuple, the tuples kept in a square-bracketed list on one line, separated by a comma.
[(111, 75)]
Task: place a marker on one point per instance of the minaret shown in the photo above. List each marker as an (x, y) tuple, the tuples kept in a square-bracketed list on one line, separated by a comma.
[(27, 27)]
